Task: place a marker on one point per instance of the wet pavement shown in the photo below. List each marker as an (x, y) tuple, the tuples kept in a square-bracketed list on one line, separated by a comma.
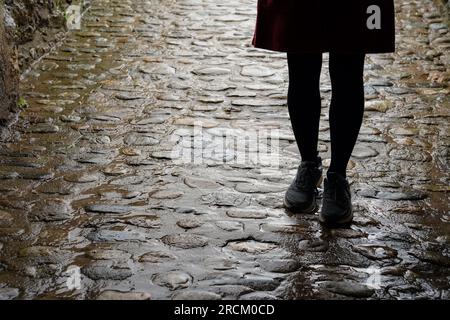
[(95, 203)]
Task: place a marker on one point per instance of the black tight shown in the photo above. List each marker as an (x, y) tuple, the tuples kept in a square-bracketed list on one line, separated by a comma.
[(346, 109)]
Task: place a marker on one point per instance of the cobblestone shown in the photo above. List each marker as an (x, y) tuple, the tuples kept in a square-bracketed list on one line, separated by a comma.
[(88, 176)]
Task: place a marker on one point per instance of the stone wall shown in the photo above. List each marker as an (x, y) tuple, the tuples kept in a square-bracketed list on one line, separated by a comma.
[(35, 25), (28, 29), (9, 71)]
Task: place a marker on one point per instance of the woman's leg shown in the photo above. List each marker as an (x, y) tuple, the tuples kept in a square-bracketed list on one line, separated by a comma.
[(304, 109), (347, 107), (346, 114), (304, 101)]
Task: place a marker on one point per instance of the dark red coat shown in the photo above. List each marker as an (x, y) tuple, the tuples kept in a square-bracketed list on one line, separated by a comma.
[(324, 26)]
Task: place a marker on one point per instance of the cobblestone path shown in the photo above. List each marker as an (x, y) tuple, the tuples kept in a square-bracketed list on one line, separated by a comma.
[(95, 203)]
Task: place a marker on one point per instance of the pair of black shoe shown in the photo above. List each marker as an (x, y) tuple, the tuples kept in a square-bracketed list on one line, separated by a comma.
[(301, 196)]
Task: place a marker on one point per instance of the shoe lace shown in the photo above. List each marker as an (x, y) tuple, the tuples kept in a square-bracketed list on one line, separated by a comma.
[(335, 190), (305, 179), (331, 190)]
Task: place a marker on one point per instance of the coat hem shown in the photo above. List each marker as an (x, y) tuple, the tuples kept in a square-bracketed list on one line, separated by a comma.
[(280, 28), (338, 50)]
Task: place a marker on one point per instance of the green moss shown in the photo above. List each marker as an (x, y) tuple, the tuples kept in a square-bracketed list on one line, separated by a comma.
[(22, 103)]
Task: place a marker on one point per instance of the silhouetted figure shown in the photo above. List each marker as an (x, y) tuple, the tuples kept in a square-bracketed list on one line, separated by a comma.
[(348, 30)]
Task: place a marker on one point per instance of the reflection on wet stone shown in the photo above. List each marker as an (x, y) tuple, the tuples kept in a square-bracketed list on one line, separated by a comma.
[(350, 289), (185, 241), (251, 246), (99, 271), (106, 235), (173, 280), (51, 210), (156, 257), (247, 214), (104, 208), (89, 176), (376, 252)]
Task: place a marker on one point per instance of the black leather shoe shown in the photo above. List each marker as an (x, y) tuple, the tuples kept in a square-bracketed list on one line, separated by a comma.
[(301, 197), (336, 203)]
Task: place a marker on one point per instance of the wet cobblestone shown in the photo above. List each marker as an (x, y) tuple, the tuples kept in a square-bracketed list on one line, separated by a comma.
[(89, 182)]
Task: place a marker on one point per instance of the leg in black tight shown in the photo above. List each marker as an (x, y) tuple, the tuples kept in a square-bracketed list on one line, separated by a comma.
[(304, 101), (347, 107)]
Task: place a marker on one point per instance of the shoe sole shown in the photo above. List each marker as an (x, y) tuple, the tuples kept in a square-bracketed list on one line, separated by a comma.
[(313, 208), (310, 210), (343, 222)]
